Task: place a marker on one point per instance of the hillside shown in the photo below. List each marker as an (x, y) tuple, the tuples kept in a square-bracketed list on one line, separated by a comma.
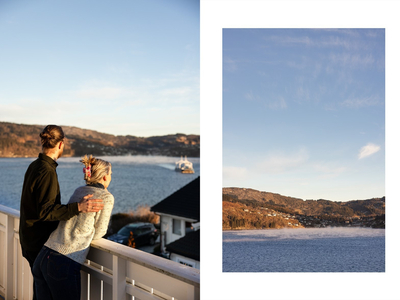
[(18, 140), (236, 215), (259, 209)]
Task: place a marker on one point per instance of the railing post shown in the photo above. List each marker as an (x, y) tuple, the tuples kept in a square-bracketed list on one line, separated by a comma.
[(119, 278), (9, 267)]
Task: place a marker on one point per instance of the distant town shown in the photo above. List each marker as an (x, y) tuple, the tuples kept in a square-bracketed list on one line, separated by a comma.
[(374, 222), (321, 221), (251, 209)]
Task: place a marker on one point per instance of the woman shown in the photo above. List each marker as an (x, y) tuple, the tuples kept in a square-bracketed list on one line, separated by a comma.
[(56, 270)]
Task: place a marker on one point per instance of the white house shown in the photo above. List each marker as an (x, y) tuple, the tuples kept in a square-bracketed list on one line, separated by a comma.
[(180, 215), (186, 250)]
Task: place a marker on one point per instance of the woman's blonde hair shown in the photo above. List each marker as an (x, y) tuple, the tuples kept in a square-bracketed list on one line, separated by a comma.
[(95, 169)]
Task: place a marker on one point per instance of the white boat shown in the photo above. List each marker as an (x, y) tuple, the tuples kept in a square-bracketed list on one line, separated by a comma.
[(184, 166)]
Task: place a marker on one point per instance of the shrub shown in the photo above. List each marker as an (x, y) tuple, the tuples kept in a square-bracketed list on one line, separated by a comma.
[(141, 214)]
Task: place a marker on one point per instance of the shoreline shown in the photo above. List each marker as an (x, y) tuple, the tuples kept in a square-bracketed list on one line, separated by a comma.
[(296, 228)]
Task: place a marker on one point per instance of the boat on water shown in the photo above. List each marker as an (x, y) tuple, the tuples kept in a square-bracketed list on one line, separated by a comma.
[(184, 166)]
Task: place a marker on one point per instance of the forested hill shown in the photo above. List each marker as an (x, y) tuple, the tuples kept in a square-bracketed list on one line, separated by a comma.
[(18, 140), (296, 206)]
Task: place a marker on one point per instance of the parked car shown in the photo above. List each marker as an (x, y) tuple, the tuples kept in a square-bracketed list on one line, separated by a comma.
[(143, 234)]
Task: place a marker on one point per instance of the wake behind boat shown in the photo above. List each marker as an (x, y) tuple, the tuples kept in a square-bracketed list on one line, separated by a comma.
[(184, 166)]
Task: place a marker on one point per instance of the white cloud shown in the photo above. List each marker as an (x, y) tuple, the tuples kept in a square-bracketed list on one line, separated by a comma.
[(335, 41), (330, 41), (328, 170), (361, 102), (229, 64), (368, 150), (249, 96), (278, 163), (9, 109), (280, 103), (303, 93), (25, 111), (179, 91), (235, 173), (272, 103), (348, 59), (297, 65), (275, 104), (350, 32), (109, 93)]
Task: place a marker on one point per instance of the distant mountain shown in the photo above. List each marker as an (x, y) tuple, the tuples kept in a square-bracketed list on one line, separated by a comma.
[(18, 140), (320, 207), (251, 209)]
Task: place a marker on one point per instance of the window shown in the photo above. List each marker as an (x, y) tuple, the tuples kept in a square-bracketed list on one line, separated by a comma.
[(176, 226)]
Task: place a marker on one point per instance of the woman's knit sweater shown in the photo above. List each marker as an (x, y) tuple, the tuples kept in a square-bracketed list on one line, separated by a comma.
[(72, 238)]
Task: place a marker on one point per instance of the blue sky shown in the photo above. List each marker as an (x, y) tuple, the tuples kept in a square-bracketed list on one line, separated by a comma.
[(123, 67), (304, 112)]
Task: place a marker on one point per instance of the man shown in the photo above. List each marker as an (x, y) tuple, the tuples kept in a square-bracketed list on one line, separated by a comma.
[(41, 207)]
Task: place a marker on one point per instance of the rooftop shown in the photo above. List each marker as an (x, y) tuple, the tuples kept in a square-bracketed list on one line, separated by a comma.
[(188, 246), (185, 202)]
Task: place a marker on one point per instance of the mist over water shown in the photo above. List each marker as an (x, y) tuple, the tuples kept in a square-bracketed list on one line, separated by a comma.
[(305, 250), (301, 234), (136, 180)]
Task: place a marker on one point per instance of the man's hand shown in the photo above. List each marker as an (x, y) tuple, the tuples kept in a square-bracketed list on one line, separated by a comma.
[(87, 205)]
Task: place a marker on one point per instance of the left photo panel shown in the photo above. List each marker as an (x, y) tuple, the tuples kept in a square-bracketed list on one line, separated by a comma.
[(100, 150)]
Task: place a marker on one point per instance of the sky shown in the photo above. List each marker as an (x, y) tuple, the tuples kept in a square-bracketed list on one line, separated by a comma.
[(304, 112), (122, 67)]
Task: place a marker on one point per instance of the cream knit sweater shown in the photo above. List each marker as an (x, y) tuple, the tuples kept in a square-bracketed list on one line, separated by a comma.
[(72, 238)]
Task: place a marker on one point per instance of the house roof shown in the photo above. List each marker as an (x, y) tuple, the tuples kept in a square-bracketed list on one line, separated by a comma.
[(183, 203), (188, 246)]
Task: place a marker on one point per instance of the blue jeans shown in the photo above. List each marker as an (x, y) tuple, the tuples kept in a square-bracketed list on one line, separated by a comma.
[(56, 276)]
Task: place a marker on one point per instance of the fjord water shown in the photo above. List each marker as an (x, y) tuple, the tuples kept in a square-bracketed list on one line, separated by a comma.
[(136, 180), (338, 249)]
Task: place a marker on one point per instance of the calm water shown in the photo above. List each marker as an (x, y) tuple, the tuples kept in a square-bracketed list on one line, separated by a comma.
[(136, 180), (305, 250)]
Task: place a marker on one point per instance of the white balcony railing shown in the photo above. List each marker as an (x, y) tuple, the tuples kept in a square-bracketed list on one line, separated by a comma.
[(112, 271)]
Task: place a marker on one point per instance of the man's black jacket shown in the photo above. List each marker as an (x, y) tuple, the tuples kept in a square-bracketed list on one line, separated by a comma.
[(41, 207)]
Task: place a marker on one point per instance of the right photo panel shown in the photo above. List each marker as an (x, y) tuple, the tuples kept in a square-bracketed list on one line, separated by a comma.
[(303, 150)]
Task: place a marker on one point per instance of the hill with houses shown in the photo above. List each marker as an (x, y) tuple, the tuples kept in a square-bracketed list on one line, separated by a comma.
[(251, 209), (19, 140)]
